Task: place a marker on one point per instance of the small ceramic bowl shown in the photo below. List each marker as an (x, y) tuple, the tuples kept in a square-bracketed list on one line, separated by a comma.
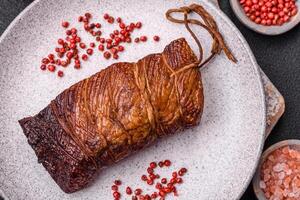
[(266, 30), (293, 144)]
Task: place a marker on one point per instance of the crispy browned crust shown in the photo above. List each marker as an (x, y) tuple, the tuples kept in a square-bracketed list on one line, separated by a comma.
[(119, 110)]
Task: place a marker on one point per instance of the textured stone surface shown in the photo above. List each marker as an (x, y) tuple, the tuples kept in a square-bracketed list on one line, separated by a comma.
[(21, 2)]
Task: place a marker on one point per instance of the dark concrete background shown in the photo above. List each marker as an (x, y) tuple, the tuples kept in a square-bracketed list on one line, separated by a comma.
[(278, 56)]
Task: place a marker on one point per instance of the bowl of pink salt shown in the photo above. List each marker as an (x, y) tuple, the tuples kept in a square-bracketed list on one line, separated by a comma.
[(278, 174)]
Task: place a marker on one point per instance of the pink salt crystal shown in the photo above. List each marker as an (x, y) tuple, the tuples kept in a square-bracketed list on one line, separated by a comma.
[(282, 158), (291, 194), (285, 150), (281, 175), (293, 154), (267, 171), (289, 172), (278, 167), (262, 185), (271, 158), (267, 177), (285, 192), (287, 181)]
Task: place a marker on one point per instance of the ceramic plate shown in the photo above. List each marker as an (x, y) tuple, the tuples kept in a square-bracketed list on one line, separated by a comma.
[(221, 153)]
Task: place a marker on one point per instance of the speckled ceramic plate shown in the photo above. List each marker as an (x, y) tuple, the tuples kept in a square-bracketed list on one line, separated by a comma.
[(221, 153)]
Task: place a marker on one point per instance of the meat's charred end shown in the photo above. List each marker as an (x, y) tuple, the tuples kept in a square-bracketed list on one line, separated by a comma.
[(57, 151), (117, 111)]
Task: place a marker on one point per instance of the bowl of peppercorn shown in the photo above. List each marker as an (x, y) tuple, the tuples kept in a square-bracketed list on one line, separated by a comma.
[(269, 17)]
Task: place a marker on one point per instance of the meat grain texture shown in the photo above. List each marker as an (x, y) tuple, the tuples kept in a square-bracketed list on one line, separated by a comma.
[(117, 111)]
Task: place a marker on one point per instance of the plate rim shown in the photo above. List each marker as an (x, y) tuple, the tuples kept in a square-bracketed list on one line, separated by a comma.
[(244, 43)]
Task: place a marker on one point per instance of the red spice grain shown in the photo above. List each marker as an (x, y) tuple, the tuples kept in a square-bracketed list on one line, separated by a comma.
[(98, 25), (154, 195), (107, 55), (80, 18), (138, 25), (70, 55), (89, 51), (86, 27), (147, 197), (138, 191), (160, 164), (167, 163), (120, 48), (144, 178), (137, 40), (116, 195), (184, 170), (60, 73), (152, 176), (114, 50), (78, 39), (65, 24), (88, 15), (156, 38), (158, 186), (58, 62), (132, 25), (134, 198), (45, 61), (179, 180), (150, 170), (101, 47), (119, 20), (109, 46), (43, 67), (92, 44), (72, 46), (64, 63), (112, 36), (167, 190), (106, 16), (128, 40), (102, 40), (122, 25), (128, 190), (84, 57), (82, 45), (60, 41), (150, 182), (117, 182), (116, 56), (116, 32), (85, 20), (162, 193), (108, 40), (174, 174), (114, 188), (77, 66), (98, 33), (51, 68), (143, 38), (110, 20), (68, 32), (173, 180), (163, 180)]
